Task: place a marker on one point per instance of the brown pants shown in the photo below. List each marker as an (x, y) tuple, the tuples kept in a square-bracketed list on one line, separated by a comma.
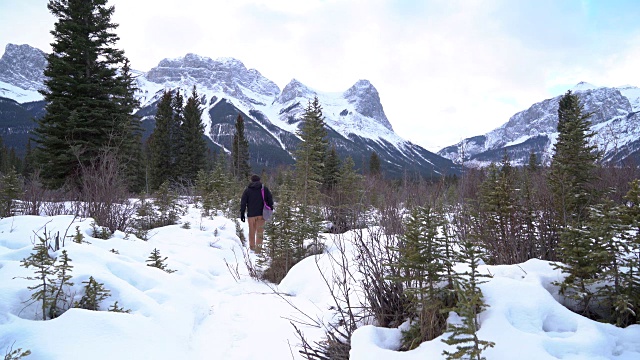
[(256, 227)]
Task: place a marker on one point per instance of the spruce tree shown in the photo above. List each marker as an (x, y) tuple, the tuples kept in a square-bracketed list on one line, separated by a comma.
[(157, 261), (584, 255), (285, 234), (194, 150), (468, 306), (60, 302), (10, 191), (627, 306), (425, 270), (94, 294), (240, 152), (167, 205), (374, 164), (127, 139), (82, 92), (573, 162), (331, 169), (311, 152), (310, 163), (347, 197), (160, 143), (44, 272)]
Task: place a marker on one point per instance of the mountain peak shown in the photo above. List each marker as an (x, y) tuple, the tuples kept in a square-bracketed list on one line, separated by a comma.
[(225, 75), (583, 86), (366, 100), (23, 66), (295, 89)]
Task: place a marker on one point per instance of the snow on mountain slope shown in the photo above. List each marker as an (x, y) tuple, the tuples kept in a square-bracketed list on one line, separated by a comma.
[(614, 119), (355, 118), (18, 94)]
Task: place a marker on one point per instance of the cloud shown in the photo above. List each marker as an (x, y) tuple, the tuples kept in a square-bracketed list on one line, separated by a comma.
[(445, 69)]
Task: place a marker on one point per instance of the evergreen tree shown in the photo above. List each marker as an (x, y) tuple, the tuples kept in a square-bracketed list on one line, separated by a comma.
[(94, 294), (44, 272), (310, 163), (156, 260), (347, 198), (311, 153), (59, 302), (160, 143), (374, 164), (176, 135), (285, 234), (498, 225), (167, 206), (573, 162), (469, 305), (28, 166), (331, 169), (584, 254), (627, 305), (533, 164), (215, 188), (83, 89), (240, 152), (425, 268), (128, 131), (194, 151), (10, 191)]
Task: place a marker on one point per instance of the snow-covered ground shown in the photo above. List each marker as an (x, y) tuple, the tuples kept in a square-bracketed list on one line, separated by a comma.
[(204, 311)]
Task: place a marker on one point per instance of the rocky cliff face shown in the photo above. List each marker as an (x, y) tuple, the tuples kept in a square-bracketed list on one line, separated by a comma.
[(366, 101), (614, 119), (22, 66)]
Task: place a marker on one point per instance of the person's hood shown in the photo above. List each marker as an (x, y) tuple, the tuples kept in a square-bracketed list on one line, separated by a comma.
[(255, 185)]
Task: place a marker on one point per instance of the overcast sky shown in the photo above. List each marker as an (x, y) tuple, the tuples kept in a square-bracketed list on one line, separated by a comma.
[(445, 69)]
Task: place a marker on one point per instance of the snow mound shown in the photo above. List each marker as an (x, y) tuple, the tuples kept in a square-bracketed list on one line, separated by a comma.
[(211, 309)]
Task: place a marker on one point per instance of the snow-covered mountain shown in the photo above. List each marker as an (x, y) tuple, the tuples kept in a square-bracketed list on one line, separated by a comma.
[(615, 120), (355, 118), (21, 68)]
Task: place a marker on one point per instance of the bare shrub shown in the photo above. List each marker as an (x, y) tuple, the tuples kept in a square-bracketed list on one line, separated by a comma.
[(105, 194)]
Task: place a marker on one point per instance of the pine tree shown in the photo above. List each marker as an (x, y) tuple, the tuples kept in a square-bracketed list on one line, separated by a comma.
[(240, 152), (215, 188), (156, 260), (374, 164), (311, 153), (533, 164), (160, 143), (167, 206), (194, 151), (128, 132), (497, 226), (627, 306), (82, 90), (347, 197), (309, 167), (424, 268), (468, 306), (44, 270), (10, 191), (331, 169), (59, 302), (285, 234), (94, 294), (583, 255), (573, 162), (175, 134)]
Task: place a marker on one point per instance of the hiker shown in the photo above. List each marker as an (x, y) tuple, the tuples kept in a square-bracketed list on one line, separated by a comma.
[(253, 203)]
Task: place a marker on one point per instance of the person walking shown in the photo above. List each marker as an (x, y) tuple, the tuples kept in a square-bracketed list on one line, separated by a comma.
[(252, 202)]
